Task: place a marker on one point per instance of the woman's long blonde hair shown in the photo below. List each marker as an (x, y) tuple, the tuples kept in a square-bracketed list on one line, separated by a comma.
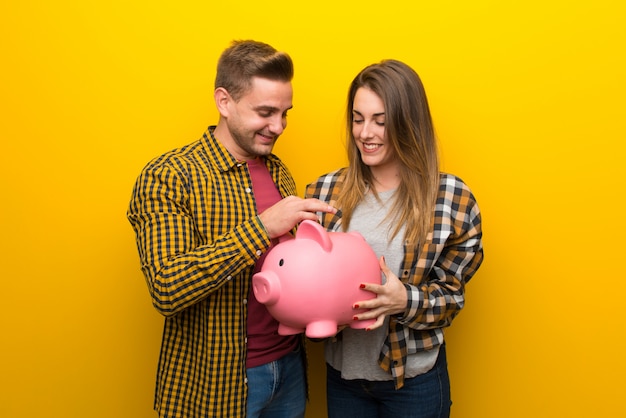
[(409, 129)]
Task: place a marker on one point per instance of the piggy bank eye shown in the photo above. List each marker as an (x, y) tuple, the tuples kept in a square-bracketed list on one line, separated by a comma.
[(281, 262)]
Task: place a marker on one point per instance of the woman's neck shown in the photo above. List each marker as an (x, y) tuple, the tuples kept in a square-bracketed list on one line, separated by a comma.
[(385, 178)]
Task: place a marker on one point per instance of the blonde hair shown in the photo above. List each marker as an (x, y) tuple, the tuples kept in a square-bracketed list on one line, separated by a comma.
[(409, 129)]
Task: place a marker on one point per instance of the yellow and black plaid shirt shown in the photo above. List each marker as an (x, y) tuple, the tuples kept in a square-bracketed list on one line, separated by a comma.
[(199, 236), (434, 275)]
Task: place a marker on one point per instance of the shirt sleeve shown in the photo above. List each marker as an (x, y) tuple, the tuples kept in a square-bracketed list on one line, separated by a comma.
[(436, 292), (182, 267)]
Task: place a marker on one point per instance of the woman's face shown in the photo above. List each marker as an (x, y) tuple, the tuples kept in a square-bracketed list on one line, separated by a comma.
[(368, 129)]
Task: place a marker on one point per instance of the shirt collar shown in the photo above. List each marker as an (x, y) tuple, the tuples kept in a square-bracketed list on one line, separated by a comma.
[(224, 160)]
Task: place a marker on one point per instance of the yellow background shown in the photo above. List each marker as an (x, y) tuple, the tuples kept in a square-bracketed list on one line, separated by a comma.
[(528, 100)]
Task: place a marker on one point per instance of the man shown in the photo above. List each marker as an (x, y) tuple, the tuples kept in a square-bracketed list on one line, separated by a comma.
[(204, 215)]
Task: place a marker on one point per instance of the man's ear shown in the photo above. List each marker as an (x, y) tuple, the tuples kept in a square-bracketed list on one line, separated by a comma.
[(222, 100)]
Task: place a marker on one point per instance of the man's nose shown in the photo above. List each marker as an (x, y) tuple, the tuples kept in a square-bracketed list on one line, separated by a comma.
[(278, 125)]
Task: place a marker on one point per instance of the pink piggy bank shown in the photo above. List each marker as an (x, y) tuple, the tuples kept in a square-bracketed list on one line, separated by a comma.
[(310, 283)]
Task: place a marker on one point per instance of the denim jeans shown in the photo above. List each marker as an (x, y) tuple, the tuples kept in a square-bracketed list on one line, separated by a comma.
[(278, 389), (423, 396)]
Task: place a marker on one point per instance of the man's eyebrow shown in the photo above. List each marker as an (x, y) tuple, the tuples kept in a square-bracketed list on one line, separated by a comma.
[(269, 108)]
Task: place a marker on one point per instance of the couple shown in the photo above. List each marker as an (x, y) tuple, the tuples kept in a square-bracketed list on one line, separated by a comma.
[(205, 214)]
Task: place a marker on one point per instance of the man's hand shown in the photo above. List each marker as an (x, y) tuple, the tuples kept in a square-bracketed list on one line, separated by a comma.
[(283, 216)]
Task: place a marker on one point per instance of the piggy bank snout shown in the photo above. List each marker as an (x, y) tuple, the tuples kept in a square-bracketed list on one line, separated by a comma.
[(266, 287)]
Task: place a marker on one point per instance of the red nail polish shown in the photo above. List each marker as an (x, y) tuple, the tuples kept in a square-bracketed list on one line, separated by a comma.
[(354, 318), (356, 306), (362, 286)]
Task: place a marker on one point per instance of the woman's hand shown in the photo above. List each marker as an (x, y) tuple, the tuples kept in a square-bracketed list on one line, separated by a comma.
[(391, 298)]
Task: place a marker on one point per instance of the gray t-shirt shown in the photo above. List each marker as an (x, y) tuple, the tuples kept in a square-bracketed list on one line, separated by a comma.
[(355, 352)]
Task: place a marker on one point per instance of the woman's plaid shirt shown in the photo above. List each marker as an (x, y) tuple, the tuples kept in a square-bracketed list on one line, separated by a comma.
[(434, 275), (199, 236)]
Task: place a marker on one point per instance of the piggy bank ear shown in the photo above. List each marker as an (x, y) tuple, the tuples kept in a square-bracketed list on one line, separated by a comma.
[(316, 232)]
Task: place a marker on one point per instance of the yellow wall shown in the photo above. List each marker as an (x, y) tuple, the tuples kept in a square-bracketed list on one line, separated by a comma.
[(528, 98)]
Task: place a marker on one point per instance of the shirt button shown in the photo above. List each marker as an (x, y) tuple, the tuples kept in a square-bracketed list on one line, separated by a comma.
[(245, 340), (245, 380), (259, 252), (248, 190), (229, 277), (245, 301)]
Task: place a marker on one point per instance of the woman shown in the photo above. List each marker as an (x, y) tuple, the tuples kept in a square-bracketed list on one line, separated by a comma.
[(425, 227)]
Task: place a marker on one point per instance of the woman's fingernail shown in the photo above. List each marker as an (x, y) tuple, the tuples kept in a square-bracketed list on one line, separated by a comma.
[(355, 318), (356, 306), (362, 286)]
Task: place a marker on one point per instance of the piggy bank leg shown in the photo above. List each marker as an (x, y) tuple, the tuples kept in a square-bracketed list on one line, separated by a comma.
[(321, 329), (362, 324), (287, 330)]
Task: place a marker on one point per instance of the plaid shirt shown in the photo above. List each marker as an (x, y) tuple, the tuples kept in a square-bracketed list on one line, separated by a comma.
[(434, 275), (199, 236)]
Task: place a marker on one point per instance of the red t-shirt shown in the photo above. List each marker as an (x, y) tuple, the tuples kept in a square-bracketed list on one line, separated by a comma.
[(264, 343)]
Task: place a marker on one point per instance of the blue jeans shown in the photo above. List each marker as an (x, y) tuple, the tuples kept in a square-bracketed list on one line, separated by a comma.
[(278, 389), (423, 396)]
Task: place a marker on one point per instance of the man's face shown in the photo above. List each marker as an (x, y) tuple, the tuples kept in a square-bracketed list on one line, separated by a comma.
[(259, 117)]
